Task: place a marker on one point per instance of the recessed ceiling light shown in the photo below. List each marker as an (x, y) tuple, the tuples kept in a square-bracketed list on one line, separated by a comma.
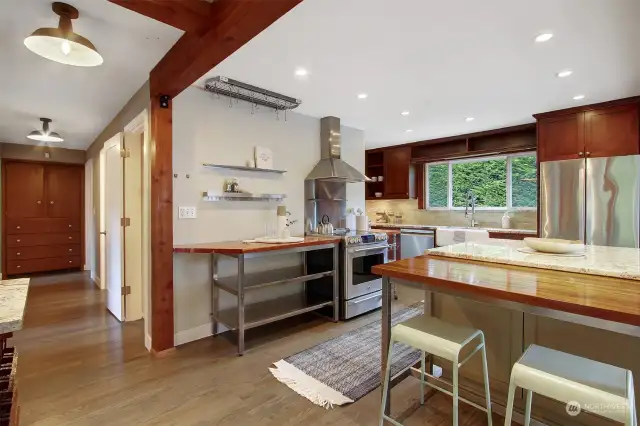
[(544, 37), (301, 72), (404, 113), (565, 73), (469, 119), (409, 130), (578, 97), (363, 96)]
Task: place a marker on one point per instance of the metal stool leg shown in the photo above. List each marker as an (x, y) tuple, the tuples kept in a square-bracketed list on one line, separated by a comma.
[(527, 409), (509, 410), (422, 362), (385, 384), (455, 391), (485, 372)]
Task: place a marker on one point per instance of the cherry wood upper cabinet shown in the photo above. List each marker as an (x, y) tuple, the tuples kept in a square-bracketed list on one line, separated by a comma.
[(64, 191), (398, 173), (25, 191), (602, 130), (561, 138), (612, 131)]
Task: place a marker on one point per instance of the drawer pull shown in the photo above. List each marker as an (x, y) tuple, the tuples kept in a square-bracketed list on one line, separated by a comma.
[(39, 202), (71, 238), (17, 241), (51, 202), (17, 254), (70, 226), (18, 227), (69, 250), (18, 266), (71, 261)]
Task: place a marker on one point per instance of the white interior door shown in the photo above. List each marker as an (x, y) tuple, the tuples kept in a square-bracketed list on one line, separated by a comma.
[(114, 209)]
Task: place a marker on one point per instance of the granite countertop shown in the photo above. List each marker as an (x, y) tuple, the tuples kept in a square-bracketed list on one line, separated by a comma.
[(617, 262), (532, 232), (13, 298)]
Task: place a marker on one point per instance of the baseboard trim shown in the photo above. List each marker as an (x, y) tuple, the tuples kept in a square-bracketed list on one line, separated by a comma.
[(97, 281), (195, 333), (147, 342)]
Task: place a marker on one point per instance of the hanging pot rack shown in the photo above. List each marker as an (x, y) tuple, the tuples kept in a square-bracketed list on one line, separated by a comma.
[(247, 92)]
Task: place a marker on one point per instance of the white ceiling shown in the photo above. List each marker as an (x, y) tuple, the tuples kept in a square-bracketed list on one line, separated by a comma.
[(80, 101), (443, 61)]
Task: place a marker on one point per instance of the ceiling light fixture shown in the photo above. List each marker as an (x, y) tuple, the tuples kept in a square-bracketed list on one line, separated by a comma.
[(578, 97), (469, 119), (62, 44), (409, 130), (565, 73), (301, 72), (404, 113), (363, 96), (45, 135), (544, 37)]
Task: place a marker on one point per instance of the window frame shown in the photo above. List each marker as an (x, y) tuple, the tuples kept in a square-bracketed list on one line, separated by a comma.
[(450, 163)]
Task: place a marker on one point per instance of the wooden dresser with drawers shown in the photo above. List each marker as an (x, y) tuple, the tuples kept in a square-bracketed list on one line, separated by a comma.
[(42, 206)]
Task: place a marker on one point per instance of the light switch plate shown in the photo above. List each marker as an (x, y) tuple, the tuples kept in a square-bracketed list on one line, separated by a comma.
[(186, 212)]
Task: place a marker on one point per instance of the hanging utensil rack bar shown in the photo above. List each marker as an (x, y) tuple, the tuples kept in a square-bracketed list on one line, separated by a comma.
[(247, 92)]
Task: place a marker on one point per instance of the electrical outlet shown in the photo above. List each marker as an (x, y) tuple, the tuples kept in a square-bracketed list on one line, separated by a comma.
[(186, 212)]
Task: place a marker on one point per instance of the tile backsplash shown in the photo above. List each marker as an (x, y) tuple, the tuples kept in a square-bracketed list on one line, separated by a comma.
[(412, 215)]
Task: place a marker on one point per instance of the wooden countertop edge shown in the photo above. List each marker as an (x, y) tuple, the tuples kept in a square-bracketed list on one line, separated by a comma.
[(601, 313), (247, 248)]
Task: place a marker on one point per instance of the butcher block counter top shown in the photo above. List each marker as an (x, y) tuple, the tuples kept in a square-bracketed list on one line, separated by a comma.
[(238, 247), (612, 299)]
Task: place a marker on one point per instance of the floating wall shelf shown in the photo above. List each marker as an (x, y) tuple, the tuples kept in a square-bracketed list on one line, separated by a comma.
[(243, 168), (242, 196)]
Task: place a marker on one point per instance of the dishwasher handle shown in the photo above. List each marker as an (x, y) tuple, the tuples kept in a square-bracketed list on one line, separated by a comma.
[(424, 232)]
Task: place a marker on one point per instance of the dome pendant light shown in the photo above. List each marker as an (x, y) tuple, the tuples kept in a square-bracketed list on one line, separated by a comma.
[(45, 135), (62, 44)]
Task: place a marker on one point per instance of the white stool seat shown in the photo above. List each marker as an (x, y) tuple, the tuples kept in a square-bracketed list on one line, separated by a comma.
[(433, 336), (436, 337), (606, 389)]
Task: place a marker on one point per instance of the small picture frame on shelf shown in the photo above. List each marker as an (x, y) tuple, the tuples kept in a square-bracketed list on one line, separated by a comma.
[(264, 157)]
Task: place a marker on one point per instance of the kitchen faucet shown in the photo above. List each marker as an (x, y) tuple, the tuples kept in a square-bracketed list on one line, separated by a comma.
[(471, 202)]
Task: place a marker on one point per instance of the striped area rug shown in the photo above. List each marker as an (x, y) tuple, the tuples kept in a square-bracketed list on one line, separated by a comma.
[(346, 368)]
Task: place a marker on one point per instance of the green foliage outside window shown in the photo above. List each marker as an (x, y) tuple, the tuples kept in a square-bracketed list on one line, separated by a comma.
[(438, 185), (488, 181), (523, 181)]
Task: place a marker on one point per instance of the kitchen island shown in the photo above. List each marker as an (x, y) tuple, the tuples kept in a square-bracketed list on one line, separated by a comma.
[(597, 317), (13, 299), (246, 316)]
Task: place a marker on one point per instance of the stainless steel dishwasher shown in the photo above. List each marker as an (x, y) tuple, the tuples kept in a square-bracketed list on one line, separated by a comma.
[(413, 242)]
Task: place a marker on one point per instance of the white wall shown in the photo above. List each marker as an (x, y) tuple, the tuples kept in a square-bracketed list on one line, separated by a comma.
[(207, 130)]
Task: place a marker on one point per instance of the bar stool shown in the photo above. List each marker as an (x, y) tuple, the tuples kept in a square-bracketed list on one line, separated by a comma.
[(573, 380), (434, 336)]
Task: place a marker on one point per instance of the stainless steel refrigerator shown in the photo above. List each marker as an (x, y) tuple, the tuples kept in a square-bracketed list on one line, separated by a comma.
[(596, 200)]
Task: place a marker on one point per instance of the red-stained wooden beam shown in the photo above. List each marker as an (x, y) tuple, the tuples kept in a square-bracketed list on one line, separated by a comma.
[(231, 24), (187, 15)]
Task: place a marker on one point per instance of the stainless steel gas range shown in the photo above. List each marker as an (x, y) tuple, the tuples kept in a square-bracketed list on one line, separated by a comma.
[(360, 289)]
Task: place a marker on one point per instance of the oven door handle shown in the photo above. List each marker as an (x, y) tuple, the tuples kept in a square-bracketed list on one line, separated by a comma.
[(355, 302), (374, 248)]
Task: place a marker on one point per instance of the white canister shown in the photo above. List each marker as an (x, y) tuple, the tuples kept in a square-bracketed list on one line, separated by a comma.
[(362, 223), (350, 221)]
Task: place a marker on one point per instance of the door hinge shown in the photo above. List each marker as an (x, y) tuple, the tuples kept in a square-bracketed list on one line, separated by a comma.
[(126, 290), (125, 153), (125, 221)]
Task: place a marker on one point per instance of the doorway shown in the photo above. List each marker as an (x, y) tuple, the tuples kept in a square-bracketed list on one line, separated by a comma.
[(121, 219)]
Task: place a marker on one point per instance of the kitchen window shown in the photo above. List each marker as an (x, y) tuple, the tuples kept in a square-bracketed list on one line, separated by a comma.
[(499, 183)]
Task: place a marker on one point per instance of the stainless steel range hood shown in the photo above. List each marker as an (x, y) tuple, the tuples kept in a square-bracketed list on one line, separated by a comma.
[(331, 167)]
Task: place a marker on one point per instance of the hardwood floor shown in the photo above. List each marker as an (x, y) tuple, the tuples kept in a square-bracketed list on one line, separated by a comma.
[(79, 366)]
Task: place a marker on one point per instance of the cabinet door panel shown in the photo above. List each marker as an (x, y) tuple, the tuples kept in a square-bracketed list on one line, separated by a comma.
[(397, 170), (561, 138), (612, 131), (24, 188), (64, 191)]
